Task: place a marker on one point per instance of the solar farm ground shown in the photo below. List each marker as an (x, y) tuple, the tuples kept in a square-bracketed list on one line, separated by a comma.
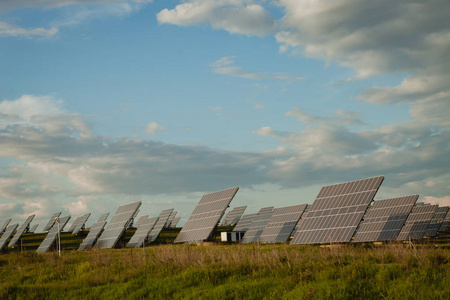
[(169, 271)]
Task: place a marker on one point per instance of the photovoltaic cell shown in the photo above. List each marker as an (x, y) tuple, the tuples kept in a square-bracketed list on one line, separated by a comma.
[(446, 222), (174, 222), (23, 228), (162, 219), (103, 217), (79, 223), (336, 212), (436, 221), (244, 223), (258, 225), (50, 239), (384, 219), (417, 222), (116, 227), (233, 216), (91, 238), (3, 228), (206, 216), (140, 220), (51, 222), (33, 229), (170, 219), (282, 224), (8, 233), (140, 236)]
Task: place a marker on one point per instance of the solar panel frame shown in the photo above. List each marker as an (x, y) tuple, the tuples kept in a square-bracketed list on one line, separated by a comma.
[(258, 225), (417, 222), (245, 222), (282, 224), (142, 232), (94, 232), (436, 221), (3, 228), (50, 239), (336, 212), (206, 216), (174, 222), (51, 222), (33, 229), (79, 226), (162, 219), (8, 233), (117, 226), (233, 216), (384, 219), (23, 228)]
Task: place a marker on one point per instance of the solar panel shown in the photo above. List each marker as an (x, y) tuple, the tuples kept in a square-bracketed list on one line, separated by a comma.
[(282, 224), (233, 216), (384, 219), (103, 217), (91, 238), (162, 219), (417, 222), (23, 228), (3, 228), (436, 221), (142, 232), (33, 229), (117, 225), (170, 219), (446, 222), (140, 220), (336, 212), (8, 233), (258, 225), (206, 216), (245, 222), (51, 222), (79, 223), (50, 239), (174, 222)]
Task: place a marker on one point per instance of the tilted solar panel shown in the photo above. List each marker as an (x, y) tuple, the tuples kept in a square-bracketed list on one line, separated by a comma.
[(79, 226), (23, 228), (162, 219), (258, 224), (8, 233), (282, 224), (384, 220), (51, 222), (206, 216), (336, 212), (170, 219), (3, 228), (50, 239), (33, 229), (91, 238), (417, 222), (140, 220), (436, 221), (117, 226), (140, 236), (103, 217), (232, 217), (174, 222), (244, 223), (446, 223)]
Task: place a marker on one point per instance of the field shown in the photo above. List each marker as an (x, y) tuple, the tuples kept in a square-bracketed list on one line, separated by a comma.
[(215, 271)]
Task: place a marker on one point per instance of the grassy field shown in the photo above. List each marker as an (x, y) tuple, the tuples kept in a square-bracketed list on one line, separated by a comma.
[(167, 271)]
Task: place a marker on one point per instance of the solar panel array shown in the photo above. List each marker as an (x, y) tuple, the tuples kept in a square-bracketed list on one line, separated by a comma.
[(117, 225), (50, 239), (436, 221), (174, 222), (51, 222), (140, 220), (417, 222), (78, 225), (8, 233), (384, 219), (282, 224), (258, 224), (206, 216), (445, 222), (23, 228), (3, 228), (91, 238), (244, 223), (336, 212), (33, 229), (142, 232), (170, 219), (103, 217), (162, 219), (233, 216)]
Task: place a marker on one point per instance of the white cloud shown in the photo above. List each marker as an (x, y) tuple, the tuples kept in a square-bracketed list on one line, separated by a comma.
[(341, 117), (13, 30), (153, 127)]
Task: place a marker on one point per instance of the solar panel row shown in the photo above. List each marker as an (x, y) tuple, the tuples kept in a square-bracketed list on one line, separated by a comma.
[(142, 232), (50, 239), (245, 222), (162, 219), (257, 226), (436, 221), (233, 216), (417, 222), (23, 228)]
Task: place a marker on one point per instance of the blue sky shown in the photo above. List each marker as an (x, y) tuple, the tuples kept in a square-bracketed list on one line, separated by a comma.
[(104, 102)]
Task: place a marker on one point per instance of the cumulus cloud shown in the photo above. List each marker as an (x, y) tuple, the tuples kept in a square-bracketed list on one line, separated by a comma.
[(153, 127)]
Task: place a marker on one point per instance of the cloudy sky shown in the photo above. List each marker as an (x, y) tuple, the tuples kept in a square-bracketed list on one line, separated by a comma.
[(104, 102)]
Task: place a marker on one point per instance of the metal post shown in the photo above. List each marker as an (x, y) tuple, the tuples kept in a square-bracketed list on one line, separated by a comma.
[(59, 238)]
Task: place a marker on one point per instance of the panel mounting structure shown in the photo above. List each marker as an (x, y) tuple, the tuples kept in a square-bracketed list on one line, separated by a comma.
[(244, 223), (50, 239), (140, 236), (417, 222), (51, 222), (436, 221), (282, 224), (23, 228), (206, 216), (8, 233), (162, 219), (91, 238), (118, 224), (384, 219), (3, 228), (233, 216), (336, 212), (258, 225)]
